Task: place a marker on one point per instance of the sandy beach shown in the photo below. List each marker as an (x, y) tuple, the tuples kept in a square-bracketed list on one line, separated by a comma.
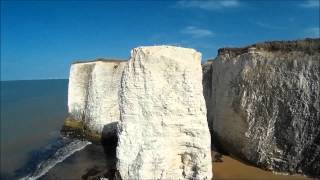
[(234, 169), (93, 162)]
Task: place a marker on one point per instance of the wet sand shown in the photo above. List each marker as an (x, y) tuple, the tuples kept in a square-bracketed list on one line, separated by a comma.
[(78, 164), (94, 161), (233, 169)]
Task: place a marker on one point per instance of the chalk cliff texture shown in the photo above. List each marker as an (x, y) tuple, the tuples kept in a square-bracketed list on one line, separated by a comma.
[(163, 132), (93, 96), (263, 104), (80, 74)]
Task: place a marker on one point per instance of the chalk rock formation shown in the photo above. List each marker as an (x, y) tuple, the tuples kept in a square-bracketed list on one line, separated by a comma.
[(263, 104), (163, 132), (93, 96)]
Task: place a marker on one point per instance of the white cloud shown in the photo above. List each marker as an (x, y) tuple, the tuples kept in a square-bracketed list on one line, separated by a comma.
[(208, 4), (196, 32), (311, 4), (312, 32)]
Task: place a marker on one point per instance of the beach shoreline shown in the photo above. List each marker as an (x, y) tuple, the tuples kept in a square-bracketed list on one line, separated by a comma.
[(94, 162)]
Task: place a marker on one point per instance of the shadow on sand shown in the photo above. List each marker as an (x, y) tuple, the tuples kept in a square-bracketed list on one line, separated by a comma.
[(109, 142)]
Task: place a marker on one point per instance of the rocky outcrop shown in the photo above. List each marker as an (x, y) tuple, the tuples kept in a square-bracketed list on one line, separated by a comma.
[(163, 132), (93, 103), (263, 104), (262, 107)]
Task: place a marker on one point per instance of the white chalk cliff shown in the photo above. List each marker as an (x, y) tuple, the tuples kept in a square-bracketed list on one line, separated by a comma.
[(163, 131), (263, 104), (93, 94)]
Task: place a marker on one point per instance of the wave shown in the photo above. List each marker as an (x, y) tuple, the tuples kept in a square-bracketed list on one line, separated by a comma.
[(45, 159)]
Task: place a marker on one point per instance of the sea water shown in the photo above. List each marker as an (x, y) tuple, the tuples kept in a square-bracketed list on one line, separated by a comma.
[(32, 114)]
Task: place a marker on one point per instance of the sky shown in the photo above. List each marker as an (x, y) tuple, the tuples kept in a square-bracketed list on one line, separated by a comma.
[(41, 38)]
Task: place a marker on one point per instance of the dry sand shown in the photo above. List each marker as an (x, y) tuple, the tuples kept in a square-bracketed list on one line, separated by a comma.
[(235, 170)]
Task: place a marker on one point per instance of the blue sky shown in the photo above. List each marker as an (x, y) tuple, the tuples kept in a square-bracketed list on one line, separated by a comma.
[(40, 39)]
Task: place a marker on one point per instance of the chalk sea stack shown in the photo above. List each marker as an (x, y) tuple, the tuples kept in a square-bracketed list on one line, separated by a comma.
[(163, 131), (263, 104), (93, 98)]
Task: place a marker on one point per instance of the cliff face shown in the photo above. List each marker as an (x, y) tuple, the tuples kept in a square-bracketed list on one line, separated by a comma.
[(80, 74), (262, 107), (93, 96), (263, 104), (163, 132)]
